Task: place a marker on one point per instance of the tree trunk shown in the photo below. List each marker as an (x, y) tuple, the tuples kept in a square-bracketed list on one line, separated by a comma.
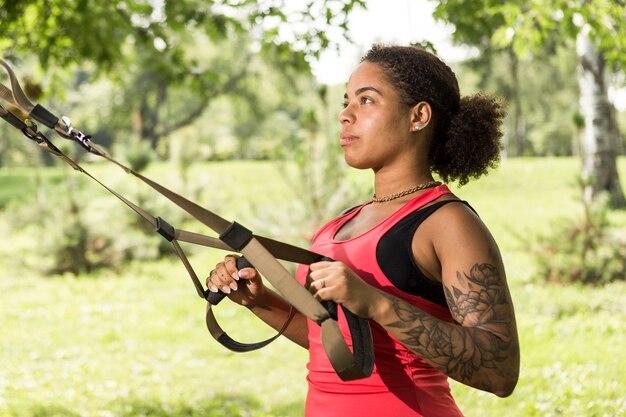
[(519, 135), (599, 143)]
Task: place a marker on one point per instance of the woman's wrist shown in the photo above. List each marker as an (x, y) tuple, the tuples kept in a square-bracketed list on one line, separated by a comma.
[(259, 302)]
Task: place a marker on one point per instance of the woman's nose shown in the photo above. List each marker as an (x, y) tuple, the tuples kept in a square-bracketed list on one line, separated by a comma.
[(346, 115)]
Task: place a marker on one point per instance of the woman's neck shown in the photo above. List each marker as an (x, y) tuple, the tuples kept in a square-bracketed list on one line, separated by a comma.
[(388, 182)]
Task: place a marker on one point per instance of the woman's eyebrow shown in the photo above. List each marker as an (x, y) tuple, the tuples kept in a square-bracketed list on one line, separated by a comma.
[(364, 89)]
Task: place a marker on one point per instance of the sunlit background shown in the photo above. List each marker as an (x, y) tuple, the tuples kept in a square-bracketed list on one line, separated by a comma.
[(234, 105)]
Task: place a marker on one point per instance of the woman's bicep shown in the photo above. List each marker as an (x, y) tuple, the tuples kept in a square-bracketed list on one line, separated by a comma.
[(473, 277), (484, 348)]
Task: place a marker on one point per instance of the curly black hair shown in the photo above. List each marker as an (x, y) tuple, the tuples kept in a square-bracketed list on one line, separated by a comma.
[(467, 130)]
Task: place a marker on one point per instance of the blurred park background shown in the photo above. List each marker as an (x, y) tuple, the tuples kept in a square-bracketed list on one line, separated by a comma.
[(234, 103)]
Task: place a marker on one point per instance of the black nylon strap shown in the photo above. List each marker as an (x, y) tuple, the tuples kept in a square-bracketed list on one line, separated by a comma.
[(363, 350), (239, 347), (13, 120)]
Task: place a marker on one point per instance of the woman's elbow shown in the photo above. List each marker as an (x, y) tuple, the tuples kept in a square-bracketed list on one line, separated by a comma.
[(508, 374), (506, 389), (506, 385)]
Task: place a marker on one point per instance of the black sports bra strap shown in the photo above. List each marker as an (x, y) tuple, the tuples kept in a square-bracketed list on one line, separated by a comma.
[(433, 207), (394, 255)]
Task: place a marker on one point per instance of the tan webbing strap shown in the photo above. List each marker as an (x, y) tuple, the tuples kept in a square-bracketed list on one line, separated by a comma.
[(289, 288), (17, 94), (198, 239), (6, 94)]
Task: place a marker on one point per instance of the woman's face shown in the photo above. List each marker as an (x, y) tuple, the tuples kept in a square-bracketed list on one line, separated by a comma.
[(375, 125)]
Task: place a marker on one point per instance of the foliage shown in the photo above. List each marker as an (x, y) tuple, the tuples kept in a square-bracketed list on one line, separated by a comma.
[(153, 68), (138, 155), (79, 236), (64, 32), (523, 28), (545, 97), (526, 26), (585, 250), (528, 43), (81, 228)]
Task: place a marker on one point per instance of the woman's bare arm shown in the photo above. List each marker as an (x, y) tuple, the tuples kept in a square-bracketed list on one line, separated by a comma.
[(245, 287), (481, 348), (275, 311)]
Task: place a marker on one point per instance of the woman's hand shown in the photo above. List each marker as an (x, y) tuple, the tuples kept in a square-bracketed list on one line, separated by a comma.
[(243, 286), (336, 282)]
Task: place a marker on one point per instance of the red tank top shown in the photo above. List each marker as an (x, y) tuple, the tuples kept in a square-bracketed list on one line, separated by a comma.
[(402, 384)]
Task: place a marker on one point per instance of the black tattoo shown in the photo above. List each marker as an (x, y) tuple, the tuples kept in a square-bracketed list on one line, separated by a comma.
[(481, 340)]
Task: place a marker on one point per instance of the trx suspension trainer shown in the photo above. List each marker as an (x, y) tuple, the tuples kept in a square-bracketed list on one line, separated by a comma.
[(257, 251)]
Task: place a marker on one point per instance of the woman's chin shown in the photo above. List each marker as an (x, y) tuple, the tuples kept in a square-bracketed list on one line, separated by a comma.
[(356, 163)]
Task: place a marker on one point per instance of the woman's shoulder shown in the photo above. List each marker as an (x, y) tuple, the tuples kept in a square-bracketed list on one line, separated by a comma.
[(456, 229), (450, 216), (450, 207)]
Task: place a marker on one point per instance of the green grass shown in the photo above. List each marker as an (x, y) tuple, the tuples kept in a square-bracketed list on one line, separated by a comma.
[(105, 345), (134, 344)]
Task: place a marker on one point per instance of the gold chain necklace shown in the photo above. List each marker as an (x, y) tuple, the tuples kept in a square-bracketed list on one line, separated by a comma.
[(412, 190)]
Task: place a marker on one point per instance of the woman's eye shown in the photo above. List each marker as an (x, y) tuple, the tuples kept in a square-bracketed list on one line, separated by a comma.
[(362, 100)]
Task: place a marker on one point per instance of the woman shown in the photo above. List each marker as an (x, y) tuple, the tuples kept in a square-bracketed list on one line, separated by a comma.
[(416, 261)]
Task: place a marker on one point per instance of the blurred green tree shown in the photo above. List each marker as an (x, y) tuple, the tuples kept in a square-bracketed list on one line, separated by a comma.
[(597, 29), (146, 70), (545, 108), (64, 32), (148, 45)]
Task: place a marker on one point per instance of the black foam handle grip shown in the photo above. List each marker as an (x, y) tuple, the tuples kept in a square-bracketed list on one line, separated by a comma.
[(215, 297)]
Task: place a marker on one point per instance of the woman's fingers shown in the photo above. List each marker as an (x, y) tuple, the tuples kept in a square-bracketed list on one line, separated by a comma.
[(248, 273), (221, 279), (230, 263), (322, 280), (224, 277), (209, 283), (243, 286)]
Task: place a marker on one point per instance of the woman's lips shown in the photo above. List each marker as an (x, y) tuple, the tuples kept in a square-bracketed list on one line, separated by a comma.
[(347, 140)]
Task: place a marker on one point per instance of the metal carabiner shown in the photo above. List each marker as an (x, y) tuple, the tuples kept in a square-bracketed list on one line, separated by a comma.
[(31, 131), (77, 135), (27, 127)]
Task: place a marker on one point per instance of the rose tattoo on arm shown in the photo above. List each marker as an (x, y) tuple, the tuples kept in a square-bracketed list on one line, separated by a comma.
[(480, 340)]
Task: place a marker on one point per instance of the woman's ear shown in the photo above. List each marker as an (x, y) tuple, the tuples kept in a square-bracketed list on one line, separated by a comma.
[(421, 114)]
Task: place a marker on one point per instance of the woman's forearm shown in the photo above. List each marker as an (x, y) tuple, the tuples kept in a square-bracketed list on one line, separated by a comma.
[(276, 312), (470, 355)]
